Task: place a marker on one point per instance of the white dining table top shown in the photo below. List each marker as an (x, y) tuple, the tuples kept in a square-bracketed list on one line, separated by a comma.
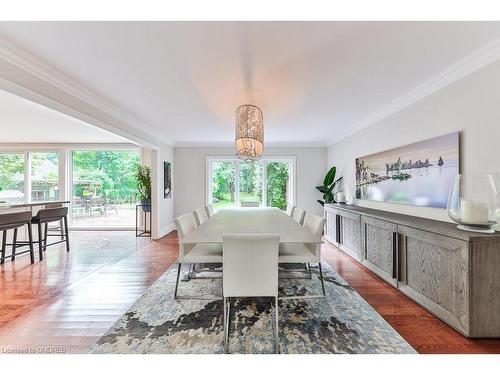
[(250, 221)]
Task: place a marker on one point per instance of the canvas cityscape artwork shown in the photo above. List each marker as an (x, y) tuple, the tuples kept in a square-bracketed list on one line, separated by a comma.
[(419, 174)]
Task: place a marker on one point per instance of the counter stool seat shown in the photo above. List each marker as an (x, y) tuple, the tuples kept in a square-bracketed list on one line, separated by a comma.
[(46, 216), (15, 221)]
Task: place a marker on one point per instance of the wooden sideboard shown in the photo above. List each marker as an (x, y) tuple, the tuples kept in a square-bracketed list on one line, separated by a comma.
[(452, 273)]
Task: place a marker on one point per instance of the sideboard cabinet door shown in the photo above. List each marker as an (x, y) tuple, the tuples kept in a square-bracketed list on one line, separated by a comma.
[(379, 244), (435, 273), (332, 225), (350, 234)]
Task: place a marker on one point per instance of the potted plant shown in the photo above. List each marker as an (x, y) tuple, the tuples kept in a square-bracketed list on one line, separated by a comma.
[(143, 177), (329, 184)]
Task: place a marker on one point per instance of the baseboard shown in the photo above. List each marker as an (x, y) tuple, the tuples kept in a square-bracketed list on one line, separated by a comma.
[(166, 230)]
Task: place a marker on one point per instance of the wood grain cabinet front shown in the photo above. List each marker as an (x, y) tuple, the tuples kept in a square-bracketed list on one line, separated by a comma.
[(350, 234), (452, 273), (379, 247), (434, 271), (332, 225)]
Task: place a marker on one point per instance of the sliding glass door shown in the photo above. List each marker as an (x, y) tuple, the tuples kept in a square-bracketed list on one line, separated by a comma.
[(104, 188), (265, 183)]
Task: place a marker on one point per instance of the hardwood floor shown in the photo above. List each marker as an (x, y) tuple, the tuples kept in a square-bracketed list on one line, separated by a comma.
[(66, 302)]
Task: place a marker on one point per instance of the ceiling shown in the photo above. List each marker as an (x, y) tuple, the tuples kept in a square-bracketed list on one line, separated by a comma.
[(314, 81), (22, 121)]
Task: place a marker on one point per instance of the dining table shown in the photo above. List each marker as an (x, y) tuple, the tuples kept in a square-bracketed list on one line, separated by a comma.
[(250, 220)]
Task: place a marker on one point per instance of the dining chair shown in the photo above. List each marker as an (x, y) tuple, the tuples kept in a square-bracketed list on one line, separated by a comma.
[(298, 215), (193, 253), (200, 215), (306, 253), (210, 210), (250, 269), (249, 204), (15, 221), (289, 209)]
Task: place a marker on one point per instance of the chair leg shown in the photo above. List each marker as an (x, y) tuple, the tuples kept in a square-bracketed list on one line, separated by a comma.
[(321, 278), (66, 232), (177, 281), (45, 237), (40, 247), (61, 229), (30, 240), (276, 326), (227, 306), (4, 244), (14, 245), (309, 268)]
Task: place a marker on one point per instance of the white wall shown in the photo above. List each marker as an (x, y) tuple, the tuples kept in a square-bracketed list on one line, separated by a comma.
[(470, 105), (190, 174), (162, 208)]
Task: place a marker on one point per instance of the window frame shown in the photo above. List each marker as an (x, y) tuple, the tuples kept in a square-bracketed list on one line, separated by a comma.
[(292, 160), (65, 167)]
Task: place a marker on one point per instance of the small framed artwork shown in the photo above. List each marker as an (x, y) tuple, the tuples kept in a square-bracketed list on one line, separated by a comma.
[(167, 179)]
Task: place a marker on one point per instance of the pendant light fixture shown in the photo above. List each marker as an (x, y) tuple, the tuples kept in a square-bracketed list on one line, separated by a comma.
[(249, 132)]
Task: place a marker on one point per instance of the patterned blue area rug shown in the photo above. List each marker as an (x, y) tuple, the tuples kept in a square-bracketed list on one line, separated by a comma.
[(343, 322)]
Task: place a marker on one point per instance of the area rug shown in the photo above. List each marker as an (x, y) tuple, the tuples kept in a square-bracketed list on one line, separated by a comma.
[(343, 322)]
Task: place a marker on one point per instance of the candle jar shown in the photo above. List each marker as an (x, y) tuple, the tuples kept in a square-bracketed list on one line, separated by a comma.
[(474, 202)]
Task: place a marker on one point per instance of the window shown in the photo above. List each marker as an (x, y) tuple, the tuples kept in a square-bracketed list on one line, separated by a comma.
[(44, 176), (278, 189), (250, 182), (268, 182), (12, 179), (104, 188), (223, 184)]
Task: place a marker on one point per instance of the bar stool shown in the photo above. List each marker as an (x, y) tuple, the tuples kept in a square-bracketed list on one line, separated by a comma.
[(46, 216), (16, 221)]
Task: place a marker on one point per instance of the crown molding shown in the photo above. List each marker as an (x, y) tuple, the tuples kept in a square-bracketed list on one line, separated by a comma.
[(462, 68), (266, 144), (21, 59)]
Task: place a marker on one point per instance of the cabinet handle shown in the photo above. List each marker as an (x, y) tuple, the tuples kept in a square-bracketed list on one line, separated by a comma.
[(395, 258)]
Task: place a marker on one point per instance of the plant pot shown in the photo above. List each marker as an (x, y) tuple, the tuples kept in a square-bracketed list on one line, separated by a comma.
[(146, 205)]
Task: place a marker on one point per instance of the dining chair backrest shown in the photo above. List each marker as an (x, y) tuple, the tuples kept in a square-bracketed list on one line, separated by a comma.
[(210, 210), (315, 224), (249, 204), (48, 215), (14, 220), (185, 224), (298, 215), (200, 215), (250, 265), (289, 209)]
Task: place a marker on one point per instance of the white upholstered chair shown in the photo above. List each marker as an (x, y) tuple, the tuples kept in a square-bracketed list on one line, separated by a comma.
[(250, 269), (298, 215), (249, 204), (193, 254), (289, 209), (306, 253), (200, 216), (210, 210)]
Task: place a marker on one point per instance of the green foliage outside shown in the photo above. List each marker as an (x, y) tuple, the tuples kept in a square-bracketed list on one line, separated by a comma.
[(277, 185), (223, 183), (11, 171), (106, 174)]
